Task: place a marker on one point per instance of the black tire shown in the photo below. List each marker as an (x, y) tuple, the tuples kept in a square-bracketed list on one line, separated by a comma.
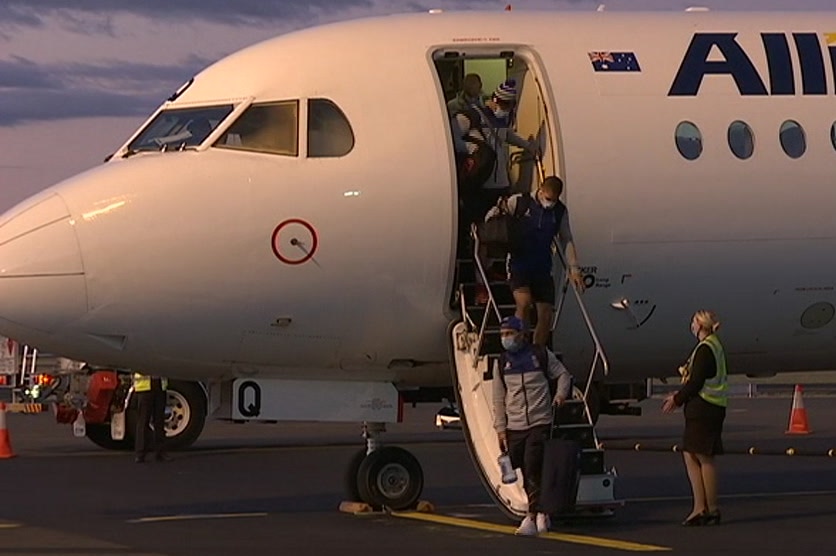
[(185, 414), (99, 434), (390, 477), (186, 401), (350, 480)]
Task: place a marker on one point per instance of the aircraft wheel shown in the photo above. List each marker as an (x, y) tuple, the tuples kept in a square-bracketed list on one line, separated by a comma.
[(99, 434), (391, 477), (185, 414), (350, 481)]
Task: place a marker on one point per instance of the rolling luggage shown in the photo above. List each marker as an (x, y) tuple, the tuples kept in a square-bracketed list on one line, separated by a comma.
[(561, 475)]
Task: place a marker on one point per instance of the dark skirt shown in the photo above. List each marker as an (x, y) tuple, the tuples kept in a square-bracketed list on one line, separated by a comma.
[(703, 427)]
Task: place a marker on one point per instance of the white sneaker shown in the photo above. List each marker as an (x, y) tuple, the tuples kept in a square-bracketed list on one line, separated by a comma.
[(527, 528), (543, 523)]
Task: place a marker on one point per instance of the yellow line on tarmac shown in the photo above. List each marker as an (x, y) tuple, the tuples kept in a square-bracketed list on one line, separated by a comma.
[(9, 525), (186, 517), (507, 529)]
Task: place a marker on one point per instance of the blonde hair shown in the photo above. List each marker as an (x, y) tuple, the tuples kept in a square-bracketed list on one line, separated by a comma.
[(707, 320)]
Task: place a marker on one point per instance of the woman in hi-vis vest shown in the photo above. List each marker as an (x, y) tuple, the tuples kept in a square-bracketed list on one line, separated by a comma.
[(704, 393)]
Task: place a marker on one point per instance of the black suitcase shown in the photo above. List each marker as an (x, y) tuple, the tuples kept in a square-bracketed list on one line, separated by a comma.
[(561, 475)]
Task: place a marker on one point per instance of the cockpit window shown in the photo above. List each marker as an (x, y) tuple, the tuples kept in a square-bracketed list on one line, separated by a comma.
[(179, 128), (329, 133), (268, 128)]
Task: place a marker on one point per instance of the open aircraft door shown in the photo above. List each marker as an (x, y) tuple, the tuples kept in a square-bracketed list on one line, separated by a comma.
[(533, 120), (474, 399)]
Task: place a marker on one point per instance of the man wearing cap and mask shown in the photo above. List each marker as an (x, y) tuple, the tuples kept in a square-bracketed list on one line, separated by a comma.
[(522, 400), (491, 125)]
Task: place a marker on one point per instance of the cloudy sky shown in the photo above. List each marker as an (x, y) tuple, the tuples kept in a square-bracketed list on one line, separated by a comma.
[(78, 76)]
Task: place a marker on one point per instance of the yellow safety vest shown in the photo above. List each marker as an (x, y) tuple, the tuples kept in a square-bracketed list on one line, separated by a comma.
[(715, 390), (142, 383)]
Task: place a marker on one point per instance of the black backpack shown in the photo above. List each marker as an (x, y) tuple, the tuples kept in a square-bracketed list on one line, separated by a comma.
[(501, 233), (475, 168)]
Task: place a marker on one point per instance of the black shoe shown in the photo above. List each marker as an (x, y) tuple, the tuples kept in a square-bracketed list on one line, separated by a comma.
[(695, 520), (712, 518), (163, 457), (139, 459)]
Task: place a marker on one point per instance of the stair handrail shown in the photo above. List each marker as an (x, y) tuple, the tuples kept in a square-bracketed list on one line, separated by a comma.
[(491, 300), (600, 355)]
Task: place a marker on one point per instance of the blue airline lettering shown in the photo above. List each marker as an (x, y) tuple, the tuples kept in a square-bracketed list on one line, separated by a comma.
[(737, 64), (781, 78), (813, 78), (696, 65)]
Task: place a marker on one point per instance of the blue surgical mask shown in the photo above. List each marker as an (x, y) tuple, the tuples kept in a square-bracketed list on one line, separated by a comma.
[(547, 204), (510, 343)]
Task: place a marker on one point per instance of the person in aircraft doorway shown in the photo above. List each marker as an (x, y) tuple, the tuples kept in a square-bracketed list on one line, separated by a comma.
[(522, 401), (540, 219), (150, 392), (470, 95), (481, 135)]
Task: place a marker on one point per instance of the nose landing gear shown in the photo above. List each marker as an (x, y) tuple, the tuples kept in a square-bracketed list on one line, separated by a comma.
[(384, 476)]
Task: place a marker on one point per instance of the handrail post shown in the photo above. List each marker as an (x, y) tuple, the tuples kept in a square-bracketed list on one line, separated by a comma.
[(599, 350), (491, 301)]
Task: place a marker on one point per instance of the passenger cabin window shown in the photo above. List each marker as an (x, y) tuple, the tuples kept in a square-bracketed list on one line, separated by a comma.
[(792, 139), (266, 128), (179, 128), (329, 132), (833, 135), (741, 140), (688, 140)]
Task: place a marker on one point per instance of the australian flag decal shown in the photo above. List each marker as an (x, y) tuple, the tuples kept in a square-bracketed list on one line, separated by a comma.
[(614, 61)]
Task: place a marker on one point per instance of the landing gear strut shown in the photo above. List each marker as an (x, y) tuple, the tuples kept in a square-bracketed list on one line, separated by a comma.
[(383, 476)]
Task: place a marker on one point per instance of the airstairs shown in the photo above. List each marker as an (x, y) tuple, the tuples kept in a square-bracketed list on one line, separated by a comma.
[(475, 349)]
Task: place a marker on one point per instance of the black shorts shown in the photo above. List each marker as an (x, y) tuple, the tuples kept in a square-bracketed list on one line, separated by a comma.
[(540, 284)]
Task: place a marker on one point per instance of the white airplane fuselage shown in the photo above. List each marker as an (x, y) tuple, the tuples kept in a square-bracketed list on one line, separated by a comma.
[(185, 262)]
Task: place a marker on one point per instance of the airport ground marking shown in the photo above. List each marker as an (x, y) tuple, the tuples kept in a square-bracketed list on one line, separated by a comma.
[(188, 517), (509, 530), (739, 496), (10, 525)]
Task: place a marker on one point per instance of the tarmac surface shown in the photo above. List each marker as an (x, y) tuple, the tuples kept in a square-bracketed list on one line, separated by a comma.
[(275, 489)]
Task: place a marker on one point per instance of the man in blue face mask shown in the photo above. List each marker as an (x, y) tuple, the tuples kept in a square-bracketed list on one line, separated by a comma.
[(522, 399), (540, 219)]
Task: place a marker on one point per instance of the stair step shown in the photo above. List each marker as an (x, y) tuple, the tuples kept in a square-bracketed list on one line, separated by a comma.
[(592, 462), (501, 293), (572, 412), (477, 313), (491, 342), (583, 435)]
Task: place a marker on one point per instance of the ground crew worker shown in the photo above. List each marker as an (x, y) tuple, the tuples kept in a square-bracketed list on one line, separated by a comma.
[(705, 397), (150, 400)]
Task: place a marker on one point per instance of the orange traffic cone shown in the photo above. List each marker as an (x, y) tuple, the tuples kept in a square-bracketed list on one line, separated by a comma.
[(798, 415), (5, 442)]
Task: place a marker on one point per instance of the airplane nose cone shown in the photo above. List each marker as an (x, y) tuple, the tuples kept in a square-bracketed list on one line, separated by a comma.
[(42, 282)]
